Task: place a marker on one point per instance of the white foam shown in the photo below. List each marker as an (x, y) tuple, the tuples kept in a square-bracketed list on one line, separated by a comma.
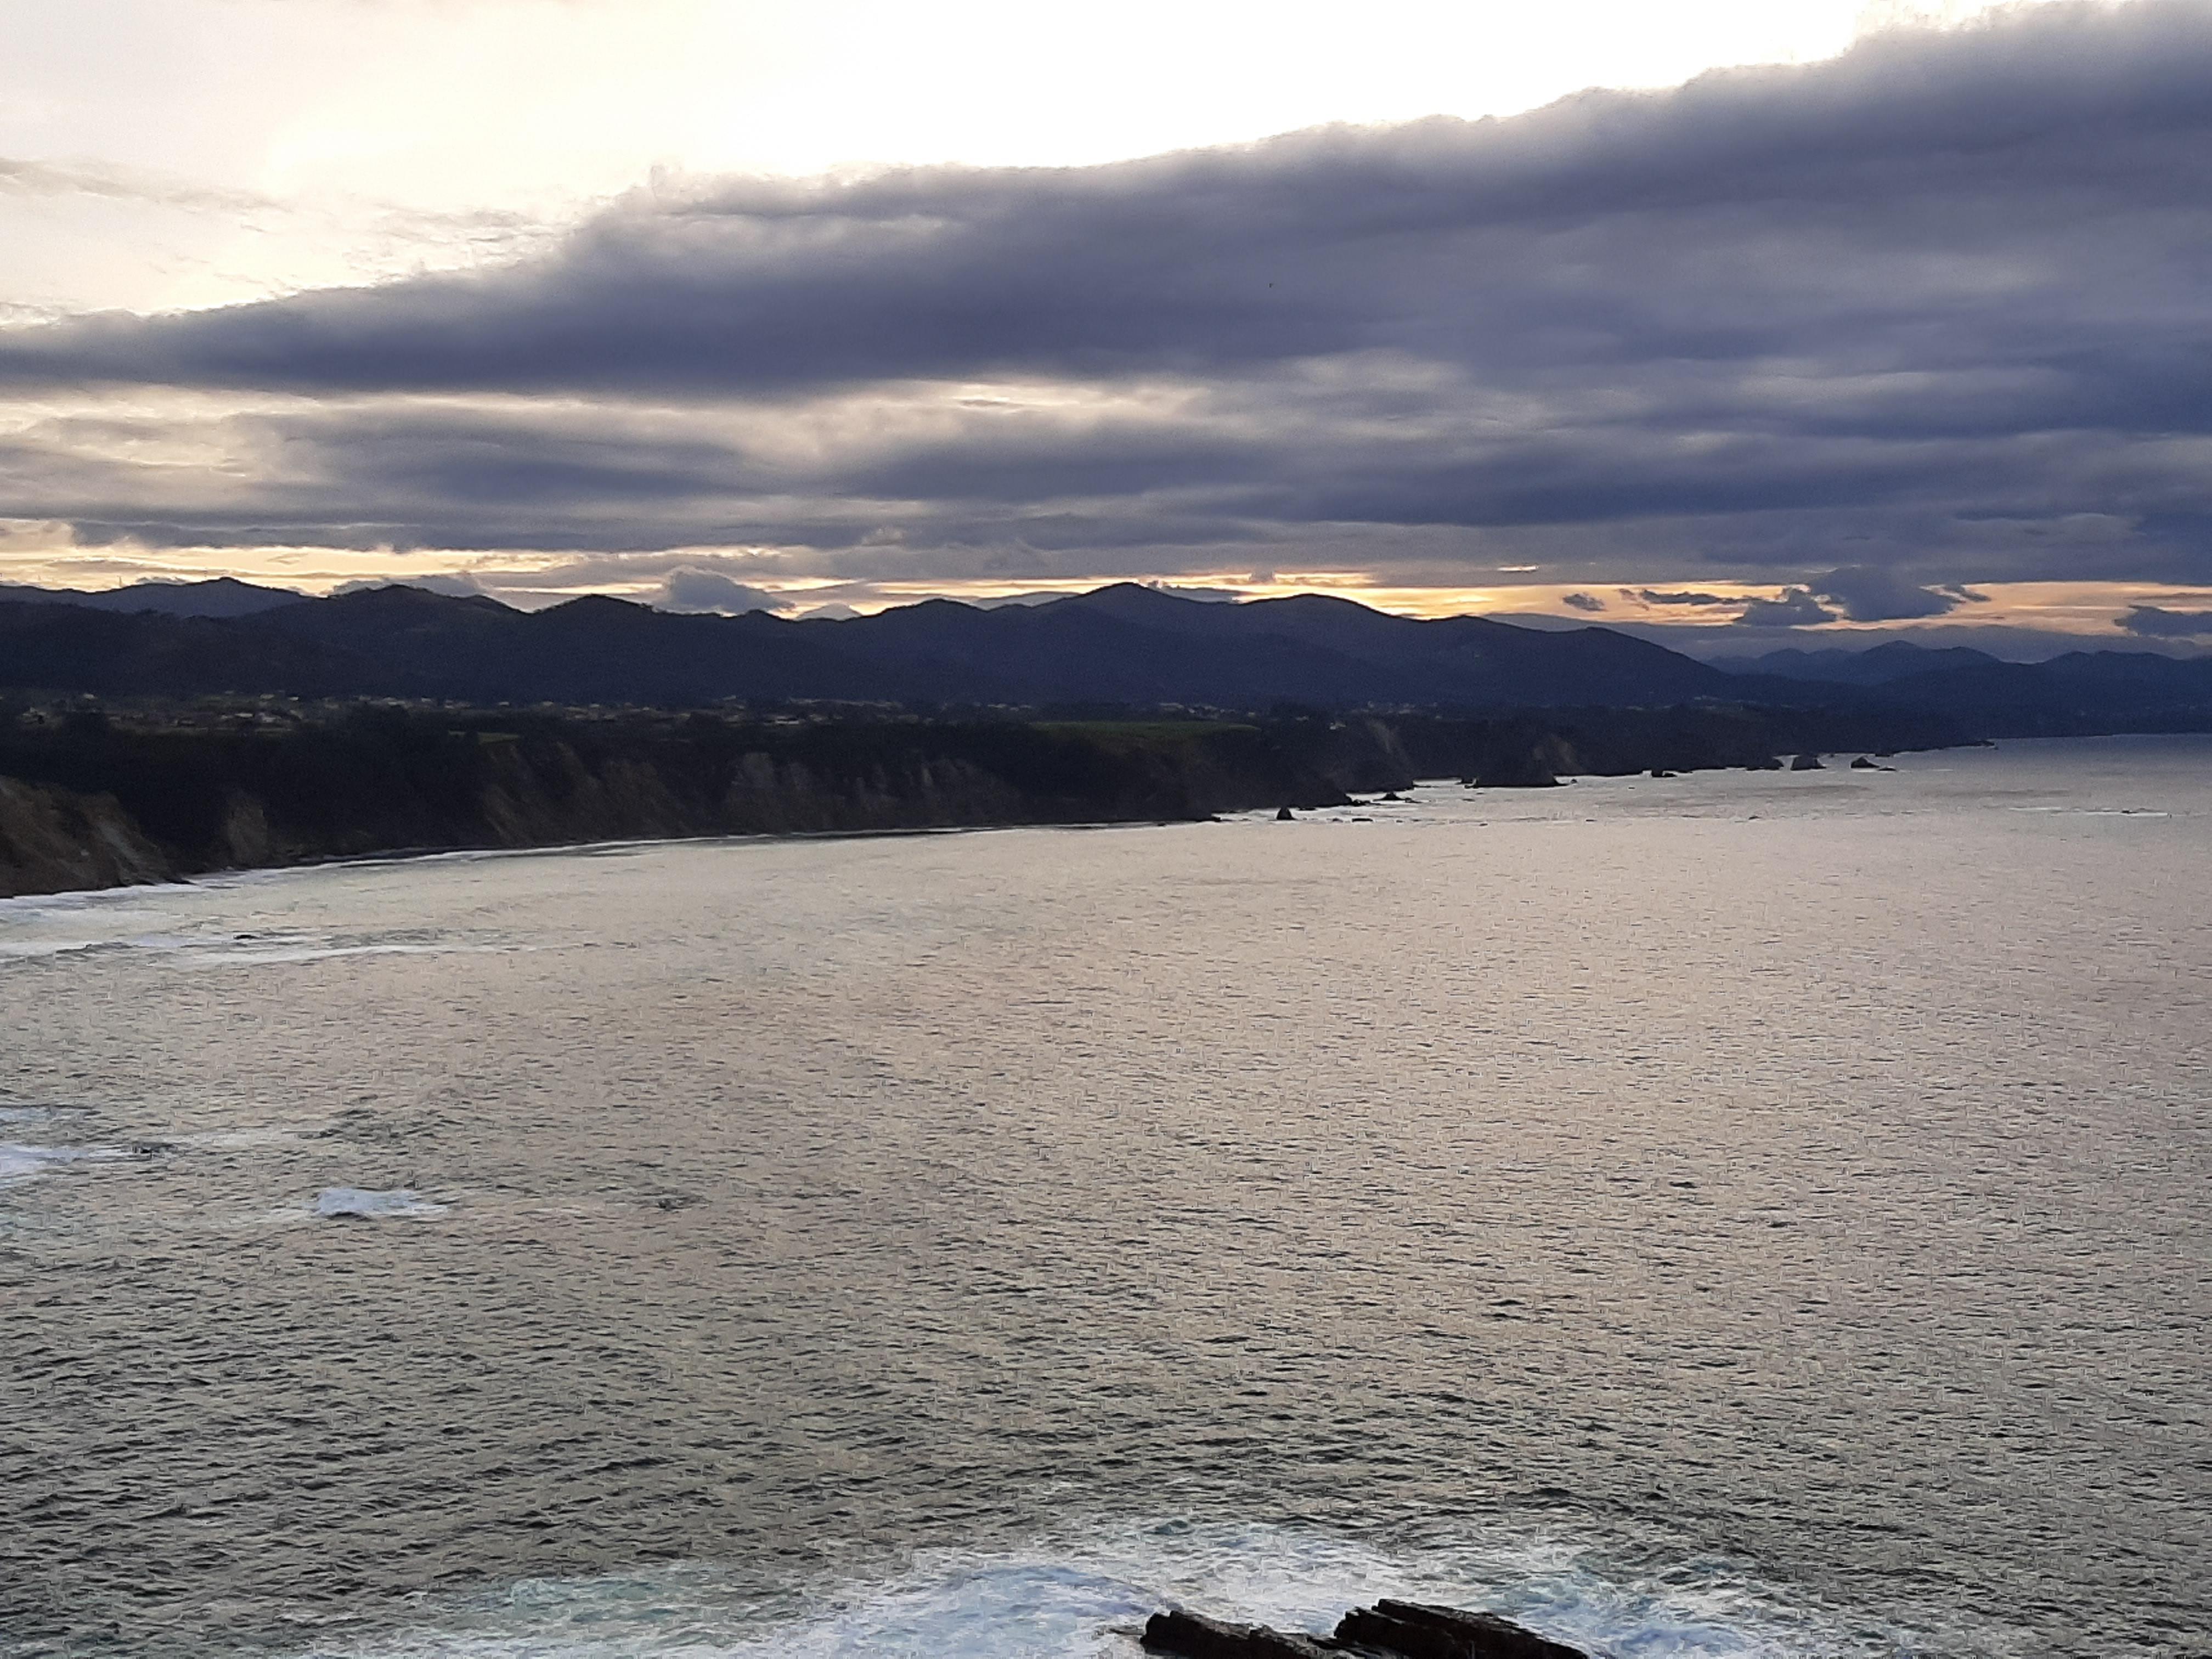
[(225, 955), (245, 950), (1085, 1598), (333, 1202), (18, 1162)]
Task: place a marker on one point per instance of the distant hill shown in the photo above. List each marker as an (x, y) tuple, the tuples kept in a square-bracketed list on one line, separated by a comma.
[(1877, 666), (1123, 644), (223, 596), (2083, 693)]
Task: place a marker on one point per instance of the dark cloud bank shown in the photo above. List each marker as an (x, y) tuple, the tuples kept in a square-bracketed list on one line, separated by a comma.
[(2157, 623), (1939, 311)]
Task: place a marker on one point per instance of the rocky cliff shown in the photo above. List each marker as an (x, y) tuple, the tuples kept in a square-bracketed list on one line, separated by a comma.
[(92, 800), (55, 840)]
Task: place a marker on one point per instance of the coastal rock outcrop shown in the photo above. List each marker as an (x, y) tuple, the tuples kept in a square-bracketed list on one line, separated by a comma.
[(1530, 776), (1194, 1636), (1388, 1630), (1807, 763), (1520, 756), (1423, 1631)]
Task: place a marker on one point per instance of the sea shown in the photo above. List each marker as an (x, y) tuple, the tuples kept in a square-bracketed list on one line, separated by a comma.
[(1737, 1214)]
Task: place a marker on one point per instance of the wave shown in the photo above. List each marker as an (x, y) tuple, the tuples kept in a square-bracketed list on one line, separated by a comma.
[(244, 949), (20, 1162), (245, 953), (333, 1203), (1085, 1598)]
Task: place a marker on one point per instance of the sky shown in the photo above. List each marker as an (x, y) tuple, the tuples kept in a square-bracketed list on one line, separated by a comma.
[(1790, 321)]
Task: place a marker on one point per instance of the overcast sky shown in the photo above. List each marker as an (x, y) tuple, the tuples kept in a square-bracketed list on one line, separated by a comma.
[(1780, 317)]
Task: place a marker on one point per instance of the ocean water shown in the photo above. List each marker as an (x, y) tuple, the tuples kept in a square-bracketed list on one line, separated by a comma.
[(1739, 1214)]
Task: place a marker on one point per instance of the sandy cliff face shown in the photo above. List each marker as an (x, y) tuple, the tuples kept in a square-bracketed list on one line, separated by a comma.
[(54, 841)]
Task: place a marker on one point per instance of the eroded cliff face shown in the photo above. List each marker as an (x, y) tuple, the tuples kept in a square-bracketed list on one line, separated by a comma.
[(180, 800), (55, 841), (547, 795)]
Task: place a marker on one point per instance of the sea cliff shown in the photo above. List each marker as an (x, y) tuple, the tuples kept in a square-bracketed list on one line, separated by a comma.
[(91, 799), (93, 796)]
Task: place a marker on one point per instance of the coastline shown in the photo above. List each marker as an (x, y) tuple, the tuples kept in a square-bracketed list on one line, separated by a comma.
[(96, 800)]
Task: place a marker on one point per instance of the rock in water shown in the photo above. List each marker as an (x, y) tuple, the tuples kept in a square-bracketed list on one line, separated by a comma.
[(1196, 1637), (1388, 1630), (1421, 1632), (1284, 815), (1807, 763)]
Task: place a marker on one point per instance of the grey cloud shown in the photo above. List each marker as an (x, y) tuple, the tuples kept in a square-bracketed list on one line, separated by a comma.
[(1795, 608), (1583, 601), (1867, 593), (1652, 596), (2155, 622), (1610, 228), (1941, 302), (689, 588), (1204, 595)]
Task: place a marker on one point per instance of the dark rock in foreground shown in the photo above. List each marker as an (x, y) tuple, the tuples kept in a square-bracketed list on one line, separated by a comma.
[(1807, 763), (1196, 1637), (1388, 1630), (1423, 1631)]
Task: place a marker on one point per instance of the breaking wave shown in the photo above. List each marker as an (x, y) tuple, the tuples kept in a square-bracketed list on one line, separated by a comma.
[(21, 1162), (1088, 1599)]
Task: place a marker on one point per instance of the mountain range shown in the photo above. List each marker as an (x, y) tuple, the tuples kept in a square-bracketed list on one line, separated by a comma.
[(1123, 646), (1878, 665), (222, 595)]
